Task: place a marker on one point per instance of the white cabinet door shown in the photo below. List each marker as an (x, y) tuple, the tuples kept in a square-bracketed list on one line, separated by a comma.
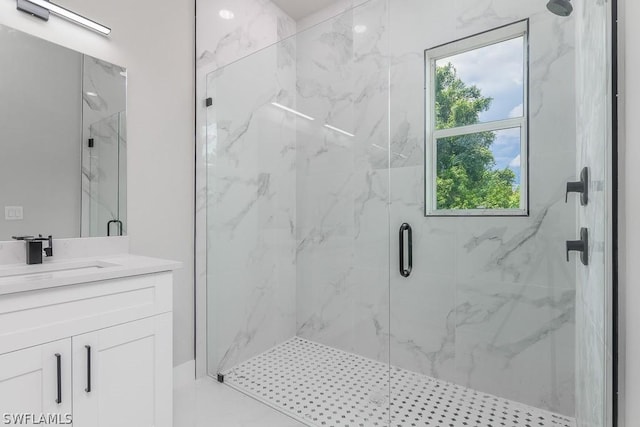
[(122, 376), (36, 383)]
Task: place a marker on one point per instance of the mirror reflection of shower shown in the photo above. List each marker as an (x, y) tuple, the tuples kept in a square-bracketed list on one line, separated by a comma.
[(104, 151), (105, 176)]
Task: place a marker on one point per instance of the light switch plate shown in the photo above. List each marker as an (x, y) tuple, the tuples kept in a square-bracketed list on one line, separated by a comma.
[(13, 213)]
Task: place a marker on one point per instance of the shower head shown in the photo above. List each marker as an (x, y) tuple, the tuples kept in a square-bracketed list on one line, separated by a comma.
[(560, 7)]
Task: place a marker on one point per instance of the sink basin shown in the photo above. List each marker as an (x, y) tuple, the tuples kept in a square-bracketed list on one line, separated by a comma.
[(54, 269)]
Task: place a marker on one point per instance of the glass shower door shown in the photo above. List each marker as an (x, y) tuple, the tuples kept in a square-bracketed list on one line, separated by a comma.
[(297, 219), (342, 209), (388, 222), (494, 324)]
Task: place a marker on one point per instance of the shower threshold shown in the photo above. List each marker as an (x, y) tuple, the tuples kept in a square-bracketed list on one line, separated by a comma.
[(325, 387)]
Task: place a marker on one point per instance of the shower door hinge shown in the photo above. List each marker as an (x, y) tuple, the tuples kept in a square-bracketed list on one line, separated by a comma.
[(90, 143), (220, 378), (209, 102)]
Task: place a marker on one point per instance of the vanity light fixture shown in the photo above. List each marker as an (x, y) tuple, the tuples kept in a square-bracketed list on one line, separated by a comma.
[(291, 110), (226, 14), (344, 132), (42, 8)]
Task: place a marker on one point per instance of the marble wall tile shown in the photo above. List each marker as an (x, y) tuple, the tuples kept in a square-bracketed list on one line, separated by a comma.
[(591, 368), (256, 25), (517, 340), (527, 251), (108, 82), (342, 183), (594, 284), (517, 264), (251, 213), (423, 332), (332, 10), (423, 317)]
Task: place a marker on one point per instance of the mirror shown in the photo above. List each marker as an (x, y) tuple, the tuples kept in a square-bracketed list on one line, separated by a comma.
[(63, 141)]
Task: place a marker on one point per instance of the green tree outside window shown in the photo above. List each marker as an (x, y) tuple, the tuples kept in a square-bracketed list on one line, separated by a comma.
[(466, 174)]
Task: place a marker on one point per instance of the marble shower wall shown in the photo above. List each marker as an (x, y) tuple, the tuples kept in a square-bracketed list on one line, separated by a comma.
[(251, 212), (491, 302), (331, 11), (343, 183), (257, 25), (593, 83)]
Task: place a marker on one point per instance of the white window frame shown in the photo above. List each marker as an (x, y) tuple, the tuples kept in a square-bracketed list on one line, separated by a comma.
[(498, 35)]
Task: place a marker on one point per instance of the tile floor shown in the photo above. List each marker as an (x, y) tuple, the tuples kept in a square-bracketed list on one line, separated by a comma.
[(322, 386)]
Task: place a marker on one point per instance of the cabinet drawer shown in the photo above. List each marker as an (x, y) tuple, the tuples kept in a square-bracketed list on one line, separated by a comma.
[(31, 318)]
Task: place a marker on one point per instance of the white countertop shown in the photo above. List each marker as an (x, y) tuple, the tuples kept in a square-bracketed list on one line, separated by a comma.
[(23, 278)]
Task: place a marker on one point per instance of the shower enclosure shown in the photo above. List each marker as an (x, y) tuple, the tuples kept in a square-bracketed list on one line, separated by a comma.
[(104, 149), (395, 206)]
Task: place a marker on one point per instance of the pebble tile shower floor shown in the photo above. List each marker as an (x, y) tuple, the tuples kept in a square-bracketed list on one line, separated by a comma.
[(321, 386)]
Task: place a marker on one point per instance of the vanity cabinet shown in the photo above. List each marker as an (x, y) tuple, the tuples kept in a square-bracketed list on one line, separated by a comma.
[(29, 380), (118, 377), (100, 351)]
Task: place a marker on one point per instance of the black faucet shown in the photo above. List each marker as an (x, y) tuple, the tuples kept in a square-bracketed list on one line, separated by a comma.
[(34, 249)]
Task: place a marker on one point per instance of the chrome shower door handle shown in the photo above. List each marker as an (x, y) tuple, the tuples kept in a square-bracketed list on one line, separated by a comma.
[(405, 229)]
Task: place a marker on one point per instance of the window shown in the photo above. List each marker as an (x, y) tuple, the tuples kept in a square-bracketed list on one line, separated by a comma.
[(476, 124)]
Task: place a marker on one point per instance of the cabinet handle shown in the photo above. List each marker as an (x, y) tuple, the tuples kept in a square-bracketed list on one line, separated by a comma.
[(88, 389), (59, 369)]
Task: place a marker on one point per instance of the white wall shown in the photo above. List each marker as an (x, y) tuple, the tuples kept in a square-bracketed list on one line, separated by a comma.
[(154, 41)]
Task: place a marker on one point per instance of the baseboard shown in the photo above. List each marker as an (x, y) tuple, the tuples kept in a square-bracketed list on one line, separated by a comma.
[(184, 374)]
